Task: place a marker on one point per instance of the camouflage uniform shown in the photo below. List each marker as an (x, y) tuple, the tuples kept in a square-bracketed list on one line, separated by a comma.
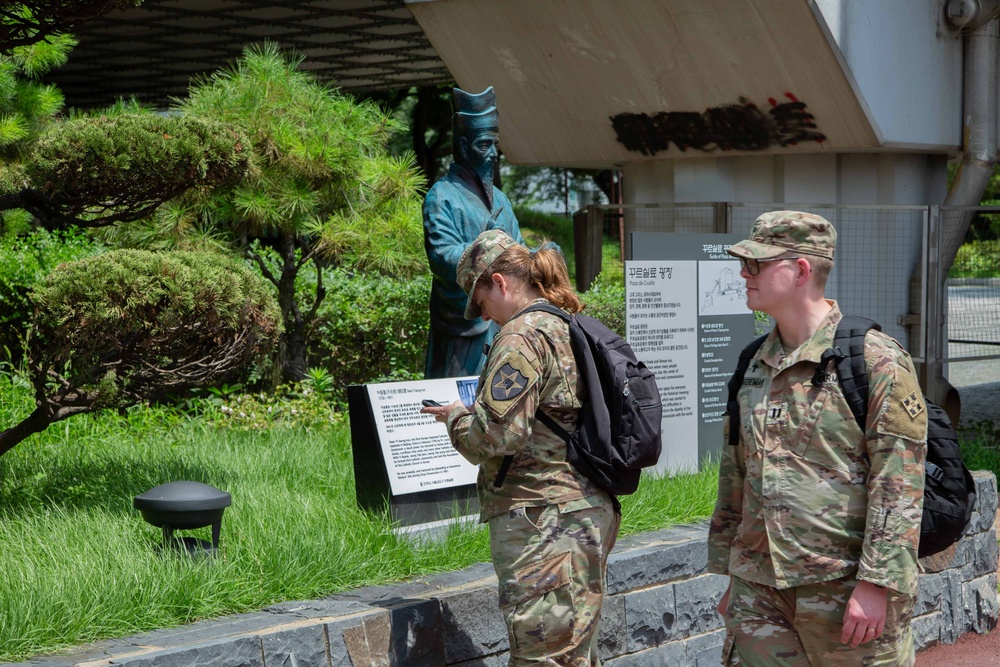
[(809, 504), (801, 626), (551, 529)]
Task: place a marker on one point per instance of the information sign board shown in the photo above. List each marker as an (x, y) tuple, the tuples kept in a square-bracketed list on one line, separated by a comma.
[(686, 318), (404, 459), (415, 447)]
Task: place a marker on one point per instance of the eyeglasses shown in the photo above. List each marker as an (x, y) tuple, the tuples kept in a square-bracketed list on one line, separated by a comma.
[(752, 266)]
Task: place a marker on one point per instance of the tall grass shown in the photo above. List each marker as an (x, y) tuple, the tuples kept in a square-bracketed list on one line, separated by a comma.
[(80, 564)]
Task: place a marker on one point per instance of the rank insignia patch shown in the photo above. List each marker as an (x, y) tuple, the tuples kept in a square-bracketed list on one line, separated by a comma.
[(507, 383), (914, 406)]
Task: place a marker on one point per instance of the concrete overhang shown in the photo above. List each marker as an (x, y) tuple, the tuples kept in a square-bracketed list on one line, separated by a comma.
[(603, 82), (152, 51)]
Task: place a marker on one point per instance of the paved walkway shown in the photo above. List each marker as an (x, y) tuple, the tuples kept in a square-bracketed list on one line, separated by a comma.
[(972, 650), (978, 384)]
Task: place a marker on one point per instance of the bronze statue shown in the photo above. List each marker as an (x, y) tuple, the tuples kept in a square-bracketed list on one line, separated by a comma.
[(459, 207)]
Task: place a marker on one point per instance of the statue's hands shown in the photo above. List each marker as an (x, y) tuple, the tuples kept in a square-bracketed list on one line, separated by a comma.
[(491, 223)]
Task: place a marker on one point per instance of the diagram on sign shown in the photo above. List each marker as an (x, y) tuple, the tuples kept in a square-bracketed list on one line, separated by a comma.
[(723, 290)]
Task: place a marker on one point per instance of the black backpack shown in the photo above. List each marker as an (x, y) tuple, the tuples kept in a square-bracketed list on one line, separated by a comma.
[(619, 429), (949, 490)]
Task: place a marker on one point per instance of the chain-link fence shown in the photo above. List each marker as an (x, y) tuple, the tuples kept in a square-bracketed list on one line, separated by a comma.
[(973, 290), (884, 255)]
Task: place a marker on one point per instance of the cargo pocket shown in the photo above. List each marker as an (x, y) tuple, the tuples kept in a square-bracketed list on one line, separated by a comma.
[(536, 579), (538, 607)]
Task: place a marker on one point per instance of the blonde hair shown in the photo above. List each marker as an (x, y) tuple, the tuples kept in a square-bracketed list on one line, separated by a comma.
[(821, 266), (542, 270)]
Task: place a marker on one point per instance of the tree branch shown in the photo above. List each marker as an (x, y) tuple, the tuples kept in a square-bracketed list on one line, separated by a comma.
[(320, 293), (36, 422), (259, 261), (34, 21)]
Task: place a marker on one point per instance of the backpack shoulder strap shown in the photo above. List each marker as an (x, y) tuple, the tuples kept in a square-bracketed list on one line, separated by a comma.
[(735, 382), (849, 352)]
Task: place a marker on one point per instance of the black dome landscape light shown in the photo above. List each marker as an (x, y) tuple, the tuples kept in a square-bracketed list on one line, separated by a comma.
[(184, 506)]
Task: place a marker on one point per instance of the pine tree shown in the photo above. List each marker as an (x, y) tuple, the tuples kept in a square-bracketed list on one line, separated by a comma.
[(323, 191), (119, 328)]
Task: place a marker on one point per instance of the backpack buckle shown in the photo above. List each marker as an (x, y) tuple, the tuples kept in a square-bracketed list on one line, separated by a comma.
[(934, 472), (831, 353)]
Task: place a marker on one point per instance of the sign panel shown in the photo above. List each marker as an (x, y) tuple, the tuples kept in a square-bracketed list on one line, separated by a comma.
[(417, 452), (661, 320), (686, 318)]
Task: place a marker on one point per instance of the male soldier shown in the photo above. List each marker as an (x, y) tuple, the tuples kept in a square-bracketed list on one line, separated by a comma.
[(461, 205), (817, 522)]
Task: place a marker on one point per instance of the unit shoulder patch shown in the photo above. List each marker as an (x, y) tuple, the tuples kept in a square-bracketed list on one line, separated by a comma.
[(904, 413), (508, 380), (913, 405), (507, 383)]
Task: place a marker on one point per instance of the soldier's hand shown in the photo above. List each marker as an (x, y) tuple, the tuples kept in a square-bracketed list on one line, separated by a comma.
[(440, 412), (864, 619)]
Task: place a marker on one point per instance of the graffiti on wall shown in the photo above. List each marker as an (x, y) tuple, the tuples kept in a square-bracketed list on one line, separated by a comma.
[(731, 127)]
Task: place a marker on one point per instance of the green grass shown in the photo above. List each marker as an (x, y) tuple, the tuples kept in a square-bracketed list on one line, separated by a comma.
[(79, 563), (980, 445)]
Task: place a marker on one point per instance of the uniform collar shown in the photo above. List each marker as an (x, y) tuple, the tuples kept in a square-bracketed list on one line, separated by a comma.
[(812, 350), (536, 301)]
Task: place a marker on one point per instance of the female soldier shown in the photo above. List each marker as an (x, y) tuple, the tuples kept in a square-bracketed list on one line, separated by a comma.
[(551, 528)]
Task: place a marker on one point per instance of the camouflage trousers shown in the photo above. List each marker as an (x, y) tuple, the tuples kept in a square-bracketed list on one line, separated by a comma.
[(551, 563), (801, 626)]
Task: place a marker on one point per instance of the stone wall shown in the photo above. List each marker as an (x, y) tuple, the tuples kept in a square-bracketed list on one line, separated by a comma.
[(661, 611)]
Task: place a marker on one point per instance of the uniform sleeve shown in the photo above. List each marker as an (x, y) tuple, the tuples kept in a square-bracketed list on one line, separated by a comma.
[(897, 446), (445, 241), (500, 421), (729, 505)]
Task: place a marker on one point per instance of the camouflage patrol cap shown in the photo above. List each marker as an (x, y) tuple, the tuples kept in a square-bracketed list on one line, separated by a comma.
[(782, 231), (476, 259)]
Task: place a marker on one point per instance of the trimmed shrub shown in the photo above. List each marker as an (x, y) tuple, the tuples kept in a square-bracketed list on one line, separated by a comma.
[(606, 302), (536, 227), (122, 167), (131, 325)]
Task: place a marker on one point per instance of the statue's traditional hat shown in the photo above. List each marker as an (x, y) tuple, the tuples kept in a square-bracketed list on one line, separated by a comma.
[(475, 112)]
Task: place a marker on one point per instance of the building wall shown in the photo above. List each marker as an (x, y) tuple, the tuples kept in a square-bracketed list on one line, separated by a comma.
[(661, 611), (906, 67), (879, 249), (905, 179)]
